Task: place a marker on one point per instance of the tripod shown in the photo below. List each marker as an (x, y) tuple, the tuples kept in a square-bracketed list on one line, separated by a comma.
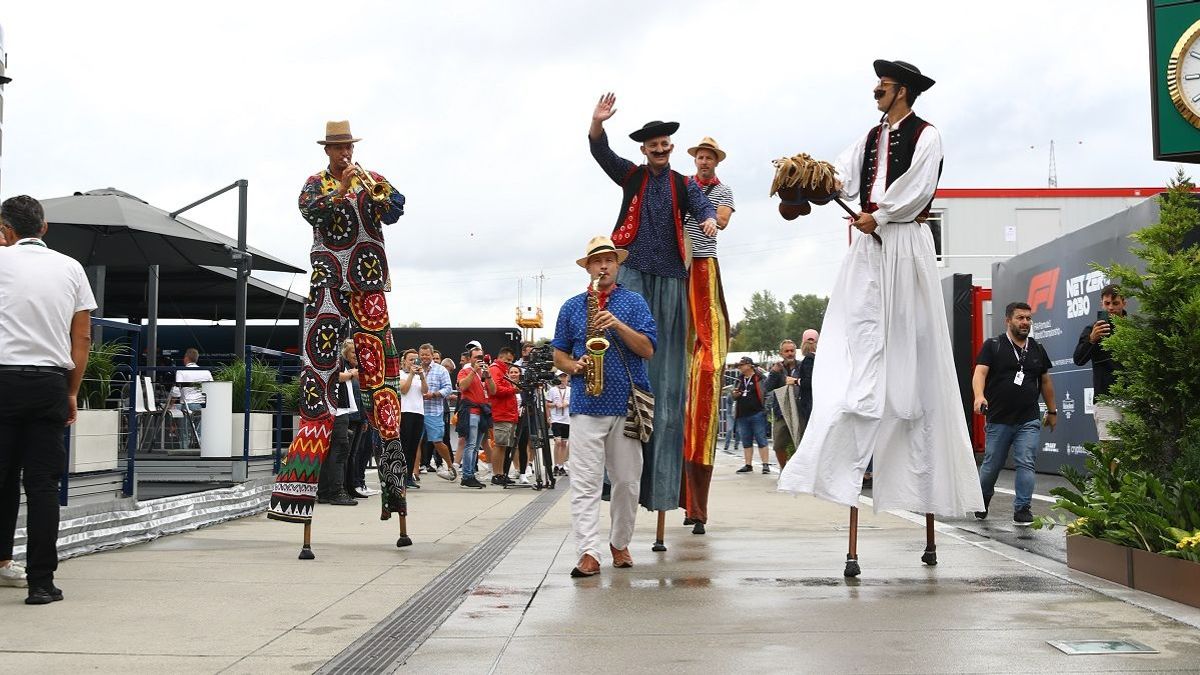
[(533, 401)]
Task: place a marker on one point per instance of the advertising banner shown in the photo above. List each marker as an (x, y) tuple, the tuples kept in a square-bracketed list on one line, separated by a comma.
[(1058, 281)]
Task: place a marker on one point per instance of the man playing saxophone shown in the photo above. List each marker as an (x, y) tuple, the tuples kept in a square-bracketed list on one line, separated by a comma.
[(598, 440)]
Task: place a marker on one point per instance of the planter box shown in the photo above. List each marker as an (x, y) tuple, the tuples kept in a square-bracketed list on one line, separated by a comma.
[(94, 441), (1172, 578), (1100, 558), (261, 434)]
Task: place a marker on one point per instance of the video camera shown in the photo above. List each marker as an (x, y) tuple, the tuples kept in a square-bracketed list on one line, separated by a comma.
[(539, 368)]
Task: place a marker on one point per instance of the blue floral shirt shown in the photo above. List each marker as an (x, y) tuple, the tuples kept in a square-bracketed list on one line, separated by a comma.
[(570, 334)]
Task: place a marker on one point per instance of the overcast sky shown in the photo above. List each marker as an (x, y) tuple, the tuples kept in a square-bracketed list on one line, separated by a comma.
[(478, 113)]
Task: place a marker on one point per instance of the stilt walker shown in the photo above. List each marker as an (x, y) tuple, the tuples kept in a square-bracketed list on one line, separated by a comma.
[(884, 388), (347, 207), (709, 337), (650, 227)]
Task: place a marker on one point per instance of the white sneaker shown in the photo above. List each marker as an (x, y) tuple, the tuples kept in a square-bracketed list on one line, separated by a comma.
[(447, 473), (368, 491), (523, 480), (13, 575)]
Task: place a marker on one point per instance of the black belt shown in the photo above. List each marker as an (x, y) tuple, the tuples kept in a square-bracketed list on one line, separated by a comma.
[(37, 369)]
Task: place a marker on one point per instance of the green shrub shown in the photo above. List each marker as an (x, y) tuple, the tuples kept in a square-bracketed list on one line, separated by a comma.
[(103, 359), (264, 384)]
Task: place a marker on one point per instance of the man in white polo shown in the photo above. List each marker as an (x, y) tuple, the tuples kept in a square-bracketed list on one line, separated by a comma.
[(45, 334), (191, 398)]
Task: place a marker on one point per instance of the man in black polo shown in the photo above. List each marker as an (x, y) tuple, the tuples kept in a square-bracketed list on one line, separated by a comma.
[(1104, 368), (45, 334), (1010, 371)]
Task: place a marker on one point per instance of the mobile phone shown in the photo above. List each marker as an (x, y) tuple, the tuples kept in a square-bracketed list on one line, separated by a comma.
[(1104, 316)]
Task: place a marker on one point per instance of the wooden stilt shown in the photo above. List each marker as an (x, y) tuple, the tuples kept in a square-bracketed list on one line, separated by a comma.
[(404, 540), (852, 568), (659, 546), (306, 550), (930, 555)]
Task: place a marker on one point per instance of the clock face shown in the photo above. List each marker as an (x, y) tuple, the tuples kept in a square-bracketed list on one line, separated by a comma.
[(1183, 75)]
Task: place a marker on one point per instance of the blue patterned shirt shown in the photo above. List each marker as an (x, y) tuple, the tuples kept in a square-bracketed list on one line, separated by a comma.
[(439, 382), (655, 250), (570, 334)]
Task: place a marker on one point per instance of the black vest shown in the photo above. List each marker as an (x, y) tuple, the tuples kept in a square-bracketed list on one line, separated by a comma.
[(630, 217), (902, 142)]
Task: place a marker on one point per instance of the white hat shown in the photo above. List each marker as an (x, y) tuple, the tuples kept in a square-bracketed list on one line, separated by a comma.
[(475, 344)]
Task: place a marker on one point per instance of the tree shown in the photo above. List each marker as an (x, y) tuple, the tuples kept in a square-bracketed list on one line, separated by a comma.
[(804, 312), (768, 321), (1158, 384), (765, 322)]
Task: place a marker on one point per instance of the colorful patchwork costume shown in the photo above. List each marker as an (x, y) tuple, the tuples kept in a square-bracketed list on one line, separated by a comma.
[(349, 277)]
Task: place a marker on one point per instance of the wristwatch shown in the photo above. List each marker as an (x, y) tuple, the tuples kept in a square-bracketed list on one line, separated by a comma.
[(1051, 412)]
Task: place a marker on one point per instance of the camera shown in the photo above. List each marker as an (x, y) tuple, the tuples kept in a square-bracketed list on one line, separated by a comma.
[(539, 368)]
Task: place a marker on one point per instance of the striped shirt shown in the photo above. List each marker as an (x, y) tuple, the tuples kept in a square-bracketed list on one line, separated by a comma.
[(704, 246), (439, 382)]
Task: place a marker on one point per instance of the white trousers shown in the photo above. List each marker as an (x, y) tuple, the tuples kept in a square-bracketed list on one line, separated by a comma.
[(599, 443)]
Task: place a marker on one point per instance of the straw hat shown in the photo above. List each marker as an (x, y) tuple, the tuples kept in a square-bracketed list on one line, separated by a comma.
[(708, 143), (338, 132), (602, 244)]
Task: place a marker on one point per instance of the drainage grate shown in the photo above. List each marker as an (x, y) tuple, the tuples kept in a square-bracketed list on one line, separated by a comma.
[(388, 645), (1074, 647)]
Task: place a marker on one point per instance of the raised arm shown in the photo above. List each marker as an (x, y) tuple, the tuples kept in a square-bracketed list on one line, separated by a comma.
[(616, 167)]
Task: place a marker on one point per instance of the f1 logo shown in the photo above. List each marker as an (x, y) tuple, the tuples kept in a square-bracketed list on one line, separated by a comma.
[(1041, 289)]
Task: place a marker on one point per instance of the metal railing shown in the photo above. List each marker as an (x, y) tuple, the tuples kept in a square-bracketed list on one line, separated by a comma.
[(287, 366)]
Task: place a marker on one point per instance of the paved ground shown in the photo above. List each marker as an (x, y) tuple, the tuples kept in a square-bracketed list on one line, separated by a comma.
[(761, 592)]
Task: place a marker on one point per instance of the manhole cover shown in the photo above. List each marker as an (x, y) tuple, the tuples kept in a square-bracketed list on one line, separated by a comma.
[(1074, 647)]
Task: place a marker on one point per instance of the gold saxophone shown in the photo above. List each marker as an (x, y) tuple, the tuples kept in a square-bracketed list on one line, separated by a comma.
[(595, 344), (379, 190)]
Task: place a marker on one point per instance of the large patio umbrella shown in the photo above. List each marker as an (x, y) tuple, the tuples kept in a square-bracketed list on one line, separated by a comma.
[(205, 293), (111, 227)]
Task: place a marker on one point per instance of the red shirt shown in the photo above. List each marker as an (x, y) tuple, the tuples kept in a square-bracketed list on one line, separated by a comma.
[(504, 401), (473, 392)]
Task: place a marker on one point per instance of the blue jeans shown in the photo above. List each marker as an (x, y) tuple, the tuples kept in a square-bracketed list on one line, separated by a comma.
[(191, 415), (471, 451), (752, 430), (1023, 438)]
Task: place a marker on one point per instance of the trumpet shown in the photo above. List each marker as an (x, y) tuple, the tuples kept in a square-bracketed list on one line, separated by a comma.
[(379, 190)]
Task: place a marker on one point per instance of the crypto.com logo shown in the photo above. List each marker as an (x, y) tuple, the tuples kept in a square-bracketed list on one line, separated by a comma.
[(1041, 289)]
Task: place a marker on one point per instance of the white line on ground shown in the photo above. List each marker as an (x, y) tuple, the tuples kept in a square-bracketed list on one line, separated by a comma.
[(1040, 498)]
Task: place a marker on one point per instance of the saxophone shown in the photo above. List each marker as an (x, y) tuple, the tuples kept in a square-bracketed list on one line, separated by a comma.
[(595, 343)]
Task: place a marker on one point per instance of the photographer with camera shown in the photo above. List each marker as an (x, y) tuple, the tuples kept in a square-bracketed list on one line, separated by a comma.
[(1104, 368), (474, 413)]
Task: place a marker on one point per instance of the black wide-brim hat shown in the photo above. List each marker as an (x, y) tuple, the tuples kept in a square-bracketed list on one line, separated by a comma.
[(654, 130), (905, 73)]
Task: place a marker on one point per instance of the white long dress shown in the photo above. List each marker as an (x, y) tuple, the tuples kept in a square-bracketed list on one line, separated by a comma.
[(885, 386)]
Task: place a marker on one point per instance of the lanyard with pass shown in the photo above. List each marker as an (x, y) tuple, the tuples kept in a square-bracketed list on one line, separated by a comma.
[(1020, 354)]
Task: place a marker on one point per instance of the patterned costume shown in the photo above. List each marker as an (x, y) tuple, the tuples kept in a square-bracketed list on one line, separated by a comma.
[(710, 344), (349, 277)]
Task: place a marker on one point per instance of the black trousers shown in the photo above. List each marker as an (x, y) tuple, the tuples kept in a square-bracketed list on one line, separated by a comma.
[(412, 429), (356, 460), (333, 472), (33, 415)]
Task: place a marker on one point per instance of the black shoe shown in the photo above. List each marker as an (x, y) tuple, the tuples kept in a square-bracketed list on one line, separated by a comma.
[(322, 500), (411, 484), (471, 482), (342, 499), (1023, 517), (496, 480), (698, 528), (43, 595), (417, 477), (358, 495), (745, 469), (982, 515), (403, 541), (766, 468), (688, 521)]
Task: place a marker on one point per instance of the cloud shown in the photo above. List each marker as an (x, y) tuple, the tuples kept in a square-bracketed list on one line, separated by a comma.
[(478, 112)]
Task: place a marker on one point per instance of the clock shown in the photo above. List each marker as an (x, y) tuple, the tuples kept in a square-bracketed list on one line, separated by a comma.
[(1183, 75)]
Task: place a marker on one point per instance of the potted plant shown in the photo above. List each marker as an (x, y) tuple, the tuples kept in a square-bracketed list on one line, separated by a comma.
[(1143, 491), (264, 384), (95, 440)]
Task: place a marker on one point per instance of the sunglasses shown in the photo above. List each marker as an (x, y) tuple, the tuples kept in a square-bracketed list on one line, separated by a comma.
[(880, 91)]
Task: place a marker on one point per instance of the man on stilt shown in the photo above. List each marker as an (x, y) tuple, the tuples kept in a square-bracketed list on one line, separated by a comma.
[(709, 338), (650, 227), (347, 207), (888, 389)]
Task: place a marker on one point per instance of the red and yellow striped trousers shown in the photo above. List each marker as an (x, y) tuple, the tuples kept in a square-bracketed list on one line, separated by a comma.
[(710, 324)]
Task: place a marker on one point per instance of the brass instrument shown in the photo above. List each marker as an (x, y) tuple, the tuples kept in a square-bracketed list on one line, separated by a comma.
[(595, 344), (379, 190)]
